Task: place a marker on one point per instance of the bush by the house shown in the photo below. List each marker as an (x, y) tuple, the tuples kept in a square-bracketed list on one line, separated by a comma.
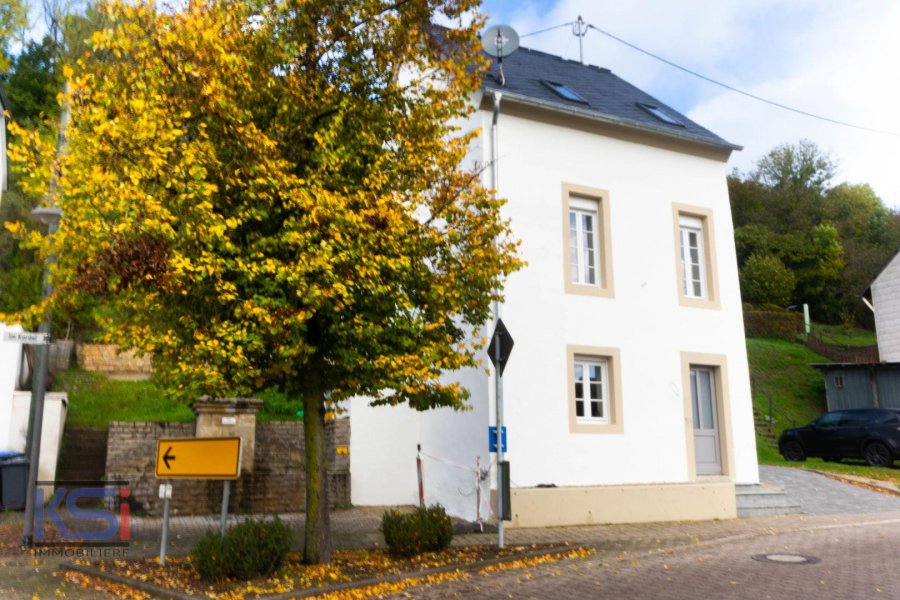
[(250, 549), (425, 530)]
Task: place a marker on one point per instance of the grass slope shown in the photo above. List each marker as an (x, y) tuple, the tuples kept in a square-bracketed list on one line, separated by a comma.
[(95, 400), (781, 370)]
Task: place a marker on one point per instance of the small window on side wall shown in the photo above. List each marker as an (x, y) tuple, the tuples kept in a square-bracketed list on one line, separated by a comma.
[(587, 245), (695, 257)]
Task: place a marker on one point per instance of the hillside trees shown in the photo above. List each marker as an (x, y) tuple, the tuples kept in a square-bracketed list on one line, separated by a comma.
[(272, 194), (833, 239)]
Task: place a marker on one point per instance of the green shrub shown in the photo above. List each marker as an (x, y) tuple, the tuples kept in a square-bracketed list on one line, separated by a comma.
[(425, 530), (208, 558), (249, 549)]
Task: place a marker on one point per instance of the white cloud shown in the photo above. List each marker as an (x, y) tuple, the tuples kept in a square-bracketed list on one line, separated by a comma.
[(836, 59)]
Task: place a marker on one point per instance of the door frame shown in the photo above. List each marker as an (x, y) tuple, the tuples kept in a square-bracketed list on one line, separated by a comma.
[(718, 364)]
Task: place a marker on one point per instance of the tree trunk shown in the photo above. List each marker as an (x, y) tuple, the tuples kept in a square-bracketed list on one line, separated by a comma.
[(317, 538)]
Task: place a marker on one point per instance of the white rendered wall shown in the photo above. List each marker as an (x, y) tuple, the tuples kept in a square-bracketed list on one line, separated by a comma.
[(644, 320), (10, 361), (55, 405), (886, 299), (383, 446)]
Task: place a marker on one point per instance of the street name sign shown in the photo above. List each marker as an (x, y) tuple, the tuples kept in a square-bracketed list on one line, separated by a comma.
[(198, 458), (26, 337)]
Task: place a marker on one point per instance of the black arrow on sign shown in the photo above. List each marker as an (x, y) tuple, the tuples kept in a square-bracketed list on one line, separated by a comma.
[(167, 457)]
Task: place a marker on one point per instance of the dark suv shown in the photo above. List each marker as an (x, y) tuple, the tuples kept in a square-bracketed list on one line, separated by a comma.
[(869, 433)]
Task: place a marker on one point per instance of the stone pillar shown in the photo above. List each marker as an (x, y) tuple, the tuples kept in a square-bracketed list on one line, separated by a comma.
[(229, 417)]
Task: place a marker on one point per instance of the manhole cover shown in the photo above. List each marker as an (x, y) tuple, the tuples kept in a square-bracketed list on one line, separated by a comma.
[(787, 559)]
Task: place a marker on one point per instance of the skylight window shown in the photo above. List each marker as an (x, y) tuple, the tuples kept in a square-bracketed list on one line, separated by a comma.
[(660, 114), (563, 91)]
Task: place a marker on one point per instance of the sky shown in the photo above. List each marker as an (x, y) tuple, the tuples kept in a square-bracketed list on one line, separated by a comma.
[(834, 58), (837, 59)]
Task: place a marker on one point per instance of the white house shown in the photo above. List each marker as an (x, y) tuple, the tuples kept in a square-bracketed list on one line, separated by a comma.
[(883, 296), (627, 394)]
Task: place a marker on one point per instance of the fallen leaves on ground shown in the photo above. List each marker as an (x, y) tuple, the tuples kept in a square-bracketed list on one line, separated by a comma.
[(347, 566)]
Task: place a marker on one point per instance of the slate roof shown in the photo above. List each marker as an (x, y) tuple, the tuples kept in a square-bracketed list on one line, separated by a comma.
[(607, 97)]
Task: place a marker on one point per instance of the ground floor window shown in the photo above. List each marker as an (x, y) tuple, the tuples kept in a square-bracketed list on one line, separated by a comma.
[(594, 390)]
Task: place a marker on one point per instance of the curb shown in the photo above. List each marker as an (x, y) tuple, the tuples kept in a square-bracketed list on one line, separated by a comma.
[(144, 586), (156, 590), (869, 484)]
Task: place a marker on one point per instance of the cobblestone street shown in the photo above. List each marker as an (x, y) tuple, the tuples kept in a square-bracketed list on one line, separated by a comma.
[(850, 532)]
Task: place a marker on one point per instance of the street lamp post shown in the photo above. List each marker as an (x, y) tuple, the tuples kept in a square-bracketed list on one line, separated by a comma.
[(50, 216)]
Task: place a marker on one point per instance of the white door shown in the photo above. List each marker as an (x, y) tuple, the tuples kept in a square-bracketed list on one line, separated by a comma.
[(707, 450)]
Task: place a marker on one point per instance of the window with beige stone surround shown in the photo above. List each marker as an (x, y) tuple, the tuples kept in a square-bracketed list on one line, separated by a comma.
[(587, 248), (594, 389), (695, 259)]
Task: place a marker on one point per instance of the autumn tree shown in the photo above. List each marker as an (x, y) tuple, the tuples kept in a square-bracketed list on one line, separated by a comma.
[(13, 21), (833, 238), (274, 193)]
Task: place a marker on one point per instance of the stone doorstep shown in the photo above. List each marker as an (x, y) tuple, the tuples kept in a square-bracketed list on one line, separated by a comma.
[(152, 588), (758, 500)]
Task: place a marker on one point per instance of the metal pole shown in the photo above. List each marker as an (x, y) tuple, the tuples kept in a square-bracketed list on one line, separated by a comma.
[(478, 494), (495, 176), (806, 327), (38, 389), (499, 391), (50, 216), (579, 29), (226, 492), (165, 526), (419, 472)]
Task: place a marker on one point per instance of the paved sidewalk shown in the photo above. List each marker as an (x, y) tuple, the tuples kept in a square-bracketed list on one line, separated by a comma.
[(821, 495), (358, 527)]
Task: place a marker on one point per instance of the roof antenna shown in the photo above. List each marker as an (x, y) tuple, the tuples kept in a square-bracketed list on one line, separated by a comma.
[(499, 41), (579, 29)]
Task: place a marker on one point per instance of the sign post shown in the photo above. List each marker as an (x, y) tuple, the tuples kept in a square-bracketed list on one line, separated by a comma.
[(499, 351), (196, 458)]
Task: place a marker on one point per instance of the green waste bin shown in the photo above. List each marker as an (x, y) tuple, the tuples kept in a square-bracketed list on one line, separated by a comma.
[(13, 480)]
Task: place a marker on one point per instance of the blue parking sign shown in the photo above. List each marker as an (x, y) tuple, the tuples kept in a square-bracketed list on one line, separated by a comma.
[(492, 438)]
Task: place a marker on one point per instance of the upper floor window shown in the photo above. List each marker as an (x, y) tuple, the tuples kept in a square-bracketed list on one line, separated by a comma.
[(583, 234), (693, 269), (695, 256), (587, 250)]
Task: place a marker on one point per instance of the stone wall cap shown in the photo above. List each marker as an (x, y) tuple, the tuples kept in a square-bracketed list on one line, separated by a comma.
[(209, 404)]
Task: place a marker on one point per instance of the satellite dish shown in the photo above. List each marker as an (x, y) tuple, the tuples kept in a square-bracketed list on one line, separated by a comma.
[(500, 40)]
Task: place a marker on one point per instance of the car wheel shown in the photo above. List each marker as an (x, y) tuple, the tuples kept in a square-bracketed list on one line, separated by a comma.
[(832, 459), (793, 451), (878, 455)]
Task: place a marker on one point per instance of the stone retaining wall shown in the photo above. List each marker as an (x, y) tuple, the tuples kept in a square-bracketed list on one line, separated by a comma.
[(106, 358), (276, 485)]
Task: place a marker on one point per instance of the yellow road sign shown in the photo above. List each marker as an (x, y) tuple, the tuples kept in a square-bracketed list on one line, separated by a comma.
[(198, 458)]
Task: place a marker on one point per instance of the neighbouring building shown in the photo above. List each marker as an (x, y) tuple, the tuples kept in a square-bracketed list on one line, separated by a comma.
[(883, 296), (872, 384), (627, 395)]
